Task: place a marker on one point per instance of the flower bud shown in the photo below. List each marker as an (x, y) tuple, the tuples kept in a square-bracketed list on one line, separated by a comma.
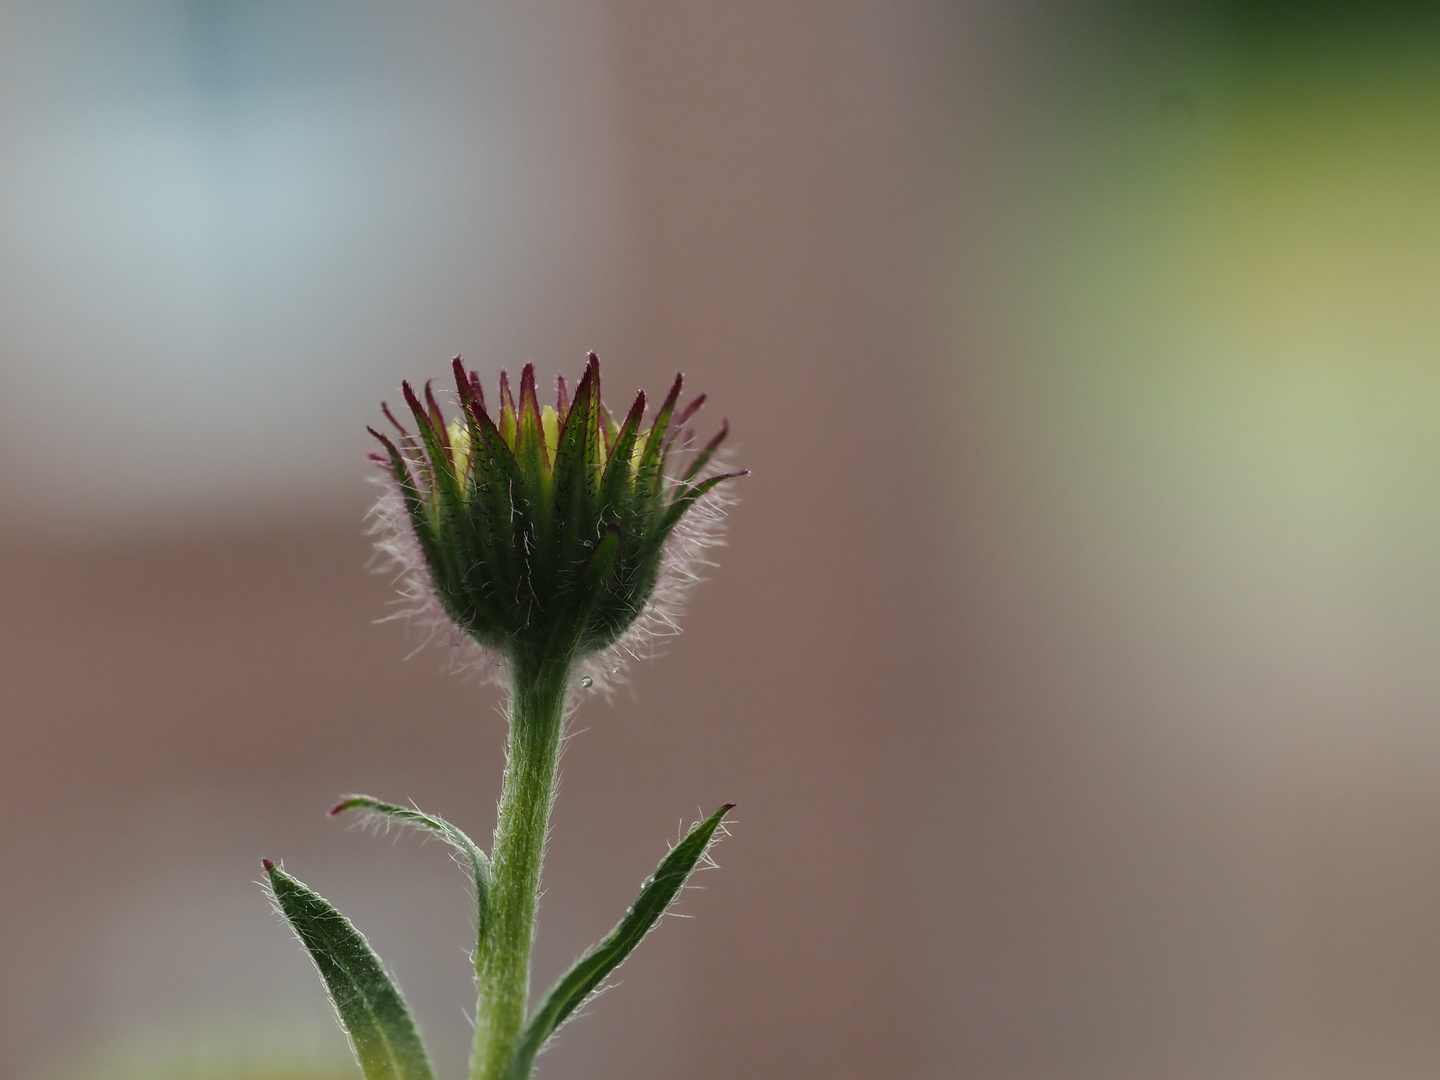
[(546, 534)]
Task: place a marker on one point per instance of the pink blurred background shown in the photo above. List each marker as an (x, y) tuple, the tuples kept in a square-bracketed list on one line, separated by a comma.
[(1073, 658)]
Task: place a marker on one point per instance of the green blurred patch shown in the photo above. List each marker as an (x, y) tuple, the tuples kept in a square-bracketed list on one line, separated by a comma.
[(1277, 26), (1281, 20), (260, 1054), (1222, 307)]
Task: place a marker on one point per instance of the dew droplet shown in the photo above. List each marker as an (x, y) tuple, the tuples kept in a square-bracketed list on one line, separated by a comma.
[(587, 682)]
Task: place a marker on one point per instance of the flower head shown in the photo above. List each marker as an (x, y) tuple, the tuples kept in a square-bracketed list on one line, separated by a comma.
[(543, 532)]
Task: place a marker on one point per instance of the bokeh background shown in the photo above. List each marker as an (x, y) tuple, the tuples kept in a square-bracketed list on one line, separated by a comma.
[(1074, 657)]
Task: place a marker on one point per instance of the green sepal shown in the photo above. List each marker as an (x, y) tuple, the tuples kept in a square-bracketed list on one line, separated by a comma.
[(591, 969), (573, 485), (689, 497), (437, 450), (496, 477), (530, 435), (703, 457), (509, 424), (616, 479), (579, 445), (414, 505), (415, 819), (369, 1004), (651, 469)]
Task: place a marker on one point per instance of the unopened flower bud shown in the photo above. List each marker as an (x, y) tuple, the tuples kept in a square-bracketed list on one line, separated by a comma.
[(547, 533)]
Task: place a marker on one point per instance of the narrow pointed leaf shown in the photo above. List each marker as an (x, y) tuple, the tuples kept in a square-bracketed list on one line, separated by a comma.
[(414, 506), (651, 466), (507, 423), (575, 512), (402, 474), (690, 496), (456, 838), (530, 429), (437, 418), (617, 470), (467, 383), (369, 1004), (562, 397), (437, 446), (703, 458), (591, 969), (406, 439), (683, 417)]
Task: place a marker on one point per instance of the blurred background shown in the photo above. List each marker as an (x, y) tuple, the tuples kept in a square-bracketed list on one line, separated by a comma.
[(1074, 657)]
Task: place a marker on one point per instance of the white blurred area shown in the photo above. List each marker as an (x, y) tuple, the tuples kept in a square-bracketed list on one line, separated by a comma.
[(1074, 657), (226, 228)]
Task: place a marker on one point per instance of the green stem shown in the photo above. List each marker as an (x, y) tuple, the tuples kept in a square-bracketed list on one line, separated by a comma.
[(502, 961)]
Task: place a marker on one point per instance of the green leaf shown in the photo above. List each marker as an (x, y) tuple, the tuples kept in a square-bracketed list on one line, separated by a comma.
[(592, 968), (369, 1004), (688, 498), (651, 470), (412, 818), (703, 458), (616, 477)]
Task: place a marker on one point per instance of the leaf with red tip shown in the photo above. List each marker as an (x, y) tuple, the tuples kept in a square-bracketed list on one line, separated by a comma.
[(416, 409), (691, 495), (442, 431), (508, 418), (385, 408), (467, 386), (703, 458), (689, 411), (437, 418), (579, 435), (462, 381), (617, 469), (442, 473), (498, 454), (529, 396), (652, 458), (494, 478), (572, 482), (397, 462), (598, 414), (656, 896), (406, 439), (367, 1001), (414, 504), (562, 398), (530, 442), (392, 455)]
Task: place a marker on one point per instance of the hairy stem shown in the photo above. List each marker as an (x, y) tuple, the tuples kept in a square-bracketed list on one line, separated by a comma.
[(502, 962)]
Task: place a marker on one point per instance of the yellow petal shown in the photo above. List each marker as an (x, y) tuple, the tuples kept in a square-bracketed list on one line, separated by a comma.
[(638, 452), (550, 424), (459, 432)]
